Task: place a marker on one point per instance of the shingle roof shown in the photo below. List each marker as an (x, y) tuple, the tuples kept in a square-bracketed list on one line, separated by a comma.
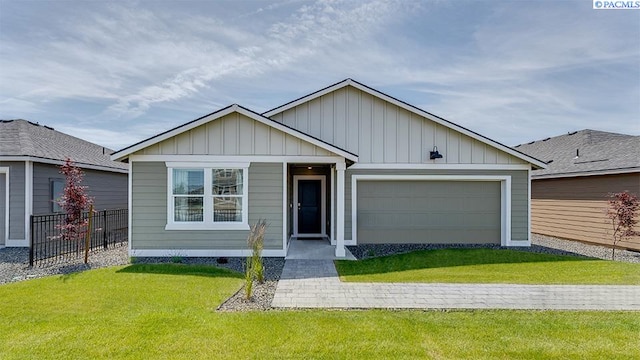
[(20, 138), (585, 152)]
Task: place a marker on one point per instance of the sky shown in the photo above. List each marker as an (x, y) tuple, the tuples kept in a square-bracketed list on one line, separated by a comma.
[(118, 72)]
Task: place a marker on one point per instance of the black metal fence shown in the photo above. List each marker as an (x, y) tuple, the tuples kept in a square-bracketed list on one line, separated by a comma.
[(109, 227)]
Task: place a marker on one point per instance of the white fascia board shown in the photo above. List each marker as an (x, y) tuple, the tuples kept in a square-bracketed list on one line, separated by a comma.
[(586, 173), (238, 159), (203, 252), (422, 166), (120, 155), (411, 109), (61, 162)]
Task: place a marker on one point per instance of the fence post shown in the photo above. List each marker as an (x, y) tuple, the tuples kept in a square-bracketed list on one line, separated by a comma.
[(104, 229), (30, 241)]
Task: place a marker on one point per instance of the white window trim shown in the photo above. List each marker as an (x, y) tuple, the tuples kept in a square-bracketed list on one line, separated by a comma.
[(208, 223)]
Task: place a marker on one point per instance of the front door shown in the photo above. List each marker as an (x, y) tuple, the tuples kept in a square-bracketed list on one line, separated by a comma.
[(309, 205)]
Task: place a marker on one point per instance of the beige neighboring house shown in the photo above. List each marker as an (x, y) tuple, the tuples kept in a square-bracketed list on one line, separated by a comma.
[(30, 179), (569, 197), (346, 163)]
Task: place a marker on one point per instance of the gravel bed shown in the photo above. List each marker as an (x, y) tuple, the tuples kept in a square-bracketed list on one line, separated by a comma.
[(539, 244), (14, 263)]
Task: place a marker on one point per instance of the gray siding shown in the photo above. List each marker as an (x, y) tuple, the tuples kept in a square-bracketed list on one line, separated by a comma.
[(433, 212), (149, 213), (381, 132), (234, 134), (519, 191), (108, 189), (16, 199)]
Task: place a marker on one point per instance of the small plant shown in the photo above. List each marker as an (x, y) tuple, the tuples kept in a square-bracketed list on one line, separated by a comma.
[(222, 260), (176, 259), (133, 259), (622, 211), (371, 253), (254, 266)]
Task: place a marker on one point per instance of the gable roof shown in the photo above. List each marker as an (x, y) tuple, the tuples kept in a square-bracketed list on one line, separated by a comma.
[(373, 92), (22, 140), (124, 153), (585, 152)]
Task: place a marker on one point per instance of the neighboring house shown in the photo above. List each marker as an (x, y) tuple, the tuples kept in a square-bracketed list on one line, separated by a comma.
[(30, 179), (347, 163), (569, 198)]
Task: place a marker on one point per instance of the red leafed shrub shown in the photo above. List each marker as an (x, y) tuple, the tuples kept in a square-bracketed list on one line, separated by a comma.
[(622, 211), (74, 201)]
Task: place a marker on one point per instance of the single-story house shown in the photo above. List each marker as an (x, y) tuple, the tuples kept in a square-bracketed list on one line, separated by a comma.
[(346, 163), (569, 197), (30, 179)]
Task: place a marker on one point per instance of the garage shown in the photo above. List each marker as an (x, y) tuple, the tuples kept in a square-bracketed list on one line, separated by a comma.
[(431, 211)]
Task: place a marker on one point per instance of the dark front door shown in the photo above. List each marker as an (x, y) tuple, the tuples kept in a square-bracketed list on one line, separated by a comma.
[(309, 207)]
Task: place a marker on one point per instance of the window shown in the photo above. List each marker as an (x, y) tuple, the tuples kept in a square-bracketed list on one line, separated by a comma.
[(56, 189), (207, 197)]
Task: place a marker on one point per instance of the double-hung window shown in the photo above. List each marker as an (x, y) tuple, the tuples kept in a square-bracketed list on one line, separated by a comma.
[(207, 197)]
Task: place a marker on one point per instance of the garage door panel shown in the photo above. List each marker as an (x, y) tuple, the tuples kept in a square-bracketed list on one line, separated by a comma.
[(428, 212)]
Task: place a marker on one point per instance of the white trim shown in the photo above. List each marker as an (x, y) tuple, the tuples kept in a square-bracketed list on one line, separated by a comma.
[(529, 207), (238, 158), (505, 197), (323, 204), (130, 204), (340, 205), (207, 222), (17, 243), (524, 243), (586, 173), (200, 164), (28, 200), (61, 162), (285, 213), (414, 110), (203, 252), (5, 170), (407, 166), (332, 227), (122, 154)]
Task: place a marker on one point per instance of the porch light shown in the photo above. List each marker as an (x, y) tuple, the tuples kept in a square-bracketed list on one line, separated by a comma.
[(434, 154), (310, 167)]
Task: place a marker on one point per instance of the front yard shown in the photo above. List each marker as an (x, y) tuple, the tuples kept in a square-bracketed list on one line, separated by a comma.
[(488, 266), (168, 312)]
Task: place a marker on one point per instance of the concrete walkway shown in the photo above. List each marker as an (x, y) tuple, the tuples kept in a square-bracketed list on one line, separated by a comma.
[(315, 284)]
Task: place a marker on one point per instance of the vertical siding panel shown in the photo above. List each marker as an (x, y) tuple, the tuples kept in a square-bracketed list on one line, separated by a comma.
[(302, 117), (416, 149), (377, 131), (183, 143), (453, 147), (168, 147), (277, 117), (152, 150), (428, 136), (199, 140), (340, 116), (291, 145), (477, 155), (214, 134), (315, 118), (327, 118), (402, 136), (353, 120), (276, 142), (502, 157), (490, 155), (466, 145), (289, 117), (261, 138), (390, 132), (306, 148), (366, 128), (441, 142), (245, 135), (230, 138)]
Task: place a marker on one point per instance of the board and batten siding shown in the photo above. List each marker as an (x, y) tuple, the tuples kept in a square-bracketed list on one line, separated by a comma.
[(519, 193), (234, 134), (381, 132), (16, 199), (108, 189), (575, 208), (149, 211)]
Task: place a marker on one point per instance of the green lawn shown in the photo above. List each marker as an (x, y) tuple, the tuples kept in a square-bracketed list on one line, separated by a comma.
[(488, 266), (167, 312)]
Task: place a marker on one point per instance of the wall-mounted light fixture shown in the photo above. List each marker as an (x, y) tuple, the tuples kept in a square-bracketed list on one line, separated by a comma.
[(434, 154)]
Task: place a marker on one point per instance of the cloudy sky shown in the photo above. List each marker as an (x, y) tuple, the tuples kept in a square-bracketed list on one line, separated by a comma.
[(118, 72)]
